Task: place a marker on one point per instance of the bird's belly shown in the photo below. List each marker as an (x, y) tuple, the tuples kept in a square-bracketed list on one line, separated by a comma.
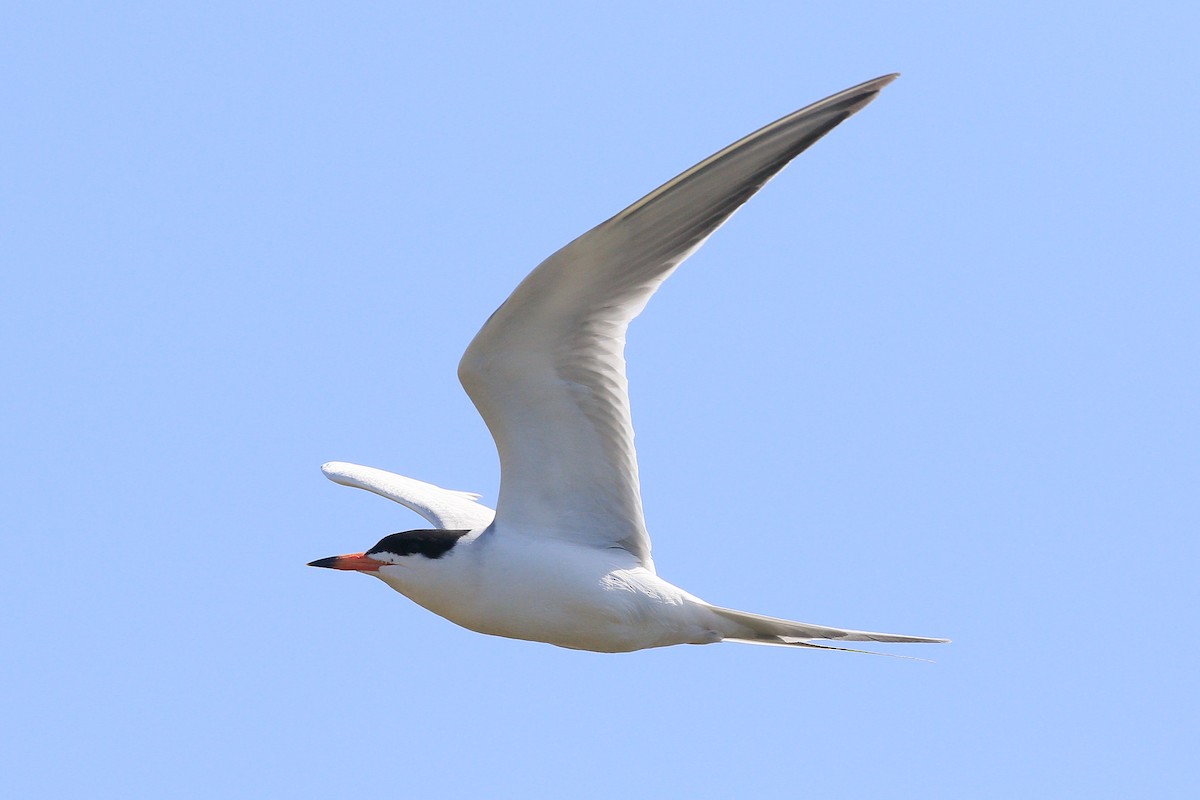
[(580, 604), (561, 621)]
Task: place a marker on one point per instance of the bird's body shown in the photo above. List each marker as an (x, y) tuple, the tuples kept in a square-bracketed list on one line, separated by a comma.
[(565, 558), (553, 591)]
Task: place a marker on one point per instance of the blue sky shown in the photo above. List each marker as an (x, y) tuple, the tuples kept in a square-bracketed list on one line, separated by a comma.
[(940, 377)]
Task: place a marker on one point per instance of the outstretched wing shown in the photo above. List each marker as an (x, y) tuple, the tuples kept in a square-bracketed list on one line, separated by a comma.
[(445, 508), (547, 371)]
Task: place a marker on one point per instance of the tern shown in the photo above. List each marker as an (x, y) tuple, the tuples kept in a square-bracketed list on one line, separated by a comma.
[(565, 556)]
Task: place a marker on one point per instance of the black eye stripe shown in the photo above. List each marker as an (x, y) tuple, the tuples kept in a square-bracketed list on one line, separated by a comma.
[(431, 544)]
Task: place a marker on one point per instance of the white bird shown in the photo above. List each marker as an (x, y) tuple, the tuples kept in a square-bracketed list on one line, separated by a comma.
[(565, 557)]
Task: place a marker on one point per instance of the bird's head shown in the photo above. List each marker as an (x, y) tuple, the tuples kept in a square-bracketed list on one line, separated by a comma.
[(399, 549)]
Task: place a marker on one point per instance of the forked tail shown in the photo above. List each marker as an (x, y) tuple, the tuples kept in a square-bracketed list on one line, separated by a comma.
[(757, 629)]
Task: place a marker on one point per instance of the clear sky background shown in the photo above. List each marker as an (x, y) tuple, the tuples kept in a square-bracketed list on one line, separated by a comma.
[(940, 377)]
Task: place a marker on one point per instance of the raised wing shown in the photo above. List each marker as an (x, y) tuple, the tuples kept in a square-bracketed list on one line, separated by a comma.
[(547, 371), (445, 508)]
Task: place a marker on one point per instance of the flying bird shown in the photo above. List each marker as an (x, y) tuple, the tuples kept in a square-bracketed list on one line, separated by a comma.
[(565, 557)]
